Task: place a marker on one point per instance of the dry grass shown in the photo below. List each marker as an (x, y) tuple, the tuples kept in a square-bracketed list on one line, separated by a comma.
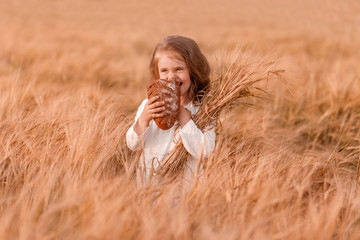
[(73, 74)]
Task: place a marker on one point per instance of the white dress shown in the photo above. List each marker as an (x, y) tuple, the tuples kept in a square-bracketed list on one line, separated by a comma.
[(158, 143)]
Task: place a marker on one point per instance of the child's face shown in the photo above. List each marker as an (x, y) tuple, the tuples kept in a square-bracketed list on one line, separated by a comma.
[(173, 65)]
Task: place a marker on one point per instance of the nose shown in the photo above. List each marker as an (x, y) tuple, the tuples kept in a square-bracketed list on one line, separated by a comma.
[(171, 74)]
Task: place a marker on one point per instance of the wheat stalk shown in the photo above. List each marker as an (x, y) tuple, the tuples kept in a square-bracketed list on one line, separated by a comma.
[(236, 80)]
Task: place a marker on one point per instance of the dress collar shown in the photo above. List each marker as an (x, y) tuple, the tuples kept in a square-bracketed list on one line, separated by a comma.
[(192, 107)]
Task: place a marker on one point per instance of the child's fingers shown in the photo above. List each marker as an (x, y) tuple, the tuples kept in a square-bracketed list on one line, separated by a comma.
[(157, 110), (157, 115), (153, 99), (157, 104)]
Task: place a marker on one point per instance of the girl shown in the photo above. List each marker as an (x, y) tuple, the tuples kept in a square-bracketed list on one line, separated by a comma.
[(180, 57)]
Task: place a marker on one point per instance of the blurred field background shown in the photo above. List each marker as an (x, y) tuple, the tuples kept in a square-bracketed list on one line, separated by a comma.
[(72, 74)]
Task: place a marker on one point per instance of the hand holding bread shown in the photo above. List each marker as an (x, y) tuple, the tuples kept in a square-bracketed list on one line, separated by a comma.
[(168, 92)]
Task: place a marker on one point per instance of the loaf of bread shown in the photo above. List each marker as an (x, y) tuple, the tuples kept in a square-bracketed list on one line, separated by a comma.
[(169, 92)]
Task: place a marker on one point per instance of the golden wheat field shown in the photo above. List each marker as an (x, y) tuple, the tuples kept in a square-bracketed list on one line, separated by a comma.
[(73, 72)]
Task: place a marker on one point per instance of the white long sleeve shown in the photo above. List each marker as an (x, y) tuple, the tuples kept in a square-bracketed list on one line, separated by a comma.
[(133, 141), (196, 142)]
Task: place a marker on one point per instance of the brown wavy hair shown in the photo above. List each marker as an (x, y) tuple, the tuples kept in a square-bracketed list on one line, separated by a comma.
[(195, 60)]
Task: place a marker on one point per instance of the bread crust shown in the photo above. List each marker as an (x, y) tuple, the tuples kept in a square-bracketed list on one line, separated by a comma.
[(169, 92)]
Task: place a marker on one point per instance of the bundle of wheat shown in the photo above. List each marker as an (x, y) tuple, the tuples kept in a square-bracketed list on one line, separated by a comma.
[(236, 78)]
